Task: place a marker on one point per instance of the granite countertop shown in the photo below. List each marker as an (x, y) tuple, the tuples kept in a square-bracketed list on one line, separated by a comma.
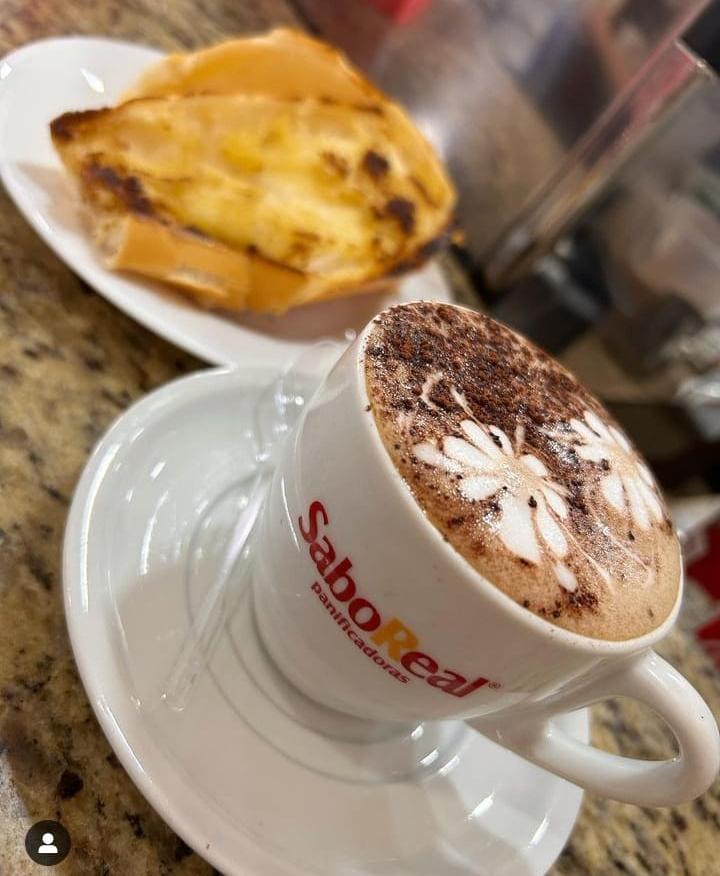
[(69, 363)]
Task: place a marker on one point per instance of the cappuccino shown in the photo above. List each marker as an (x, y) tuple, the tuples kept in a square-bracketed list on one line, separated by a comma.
[(522, 470)]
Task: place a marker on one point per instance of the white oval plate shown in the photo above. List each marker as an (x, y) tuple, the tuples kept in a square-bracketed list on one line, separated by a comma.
[(145, 533), (44, 79)]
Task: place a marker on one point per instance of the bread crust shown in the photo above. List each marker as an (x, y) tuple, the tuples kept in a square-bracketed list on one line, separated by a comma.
[(137, 232)]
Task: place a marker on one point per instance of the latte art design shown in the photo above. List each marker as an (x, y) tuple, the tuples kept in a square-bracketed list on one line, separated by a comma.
[(529, 507), (628, 485)]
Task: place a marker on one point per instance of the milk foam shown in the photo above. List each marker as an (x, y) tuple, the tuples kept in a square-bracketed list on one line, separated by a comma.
[(522, 470)]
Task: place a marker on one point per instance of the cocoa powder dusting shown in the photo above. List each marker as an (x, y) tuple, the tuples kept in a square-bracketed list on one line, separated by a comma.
[(432, 369)]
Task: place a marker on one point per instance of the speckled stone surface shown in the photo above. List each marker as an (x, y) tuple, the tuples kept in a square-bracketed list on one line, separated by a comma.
[(69, 363)]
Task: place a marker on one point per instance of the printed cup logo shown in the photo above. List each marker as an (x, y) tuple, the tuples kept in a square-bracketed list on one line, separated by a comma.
[(391, 644)]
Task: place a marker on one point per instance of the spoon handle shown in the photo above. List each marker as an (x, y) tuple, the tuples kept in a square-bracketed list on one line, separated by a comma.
[(276, 412), (200, 637)]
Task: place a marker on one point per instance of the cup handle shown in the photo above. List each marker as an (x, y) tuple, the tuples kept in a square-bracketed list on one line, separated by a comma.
[(651, 680)]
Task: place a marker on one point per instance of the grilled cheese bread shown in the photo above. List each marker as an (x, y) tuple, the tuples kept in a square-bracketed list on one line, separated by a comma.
[(257, 200)]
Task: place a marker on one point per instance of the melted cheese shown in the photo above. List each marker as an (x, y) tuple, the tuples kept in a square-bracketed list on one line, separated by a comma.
[(289, 180)]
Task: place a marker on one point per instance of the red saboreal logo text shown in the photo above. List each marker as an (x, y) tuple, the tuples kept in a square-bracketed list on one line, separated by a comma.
[(393, 646)]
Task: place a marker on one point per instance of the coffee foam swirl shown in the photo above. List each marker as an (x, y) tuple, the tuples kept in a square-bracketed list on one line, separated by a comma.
[(522, 470)]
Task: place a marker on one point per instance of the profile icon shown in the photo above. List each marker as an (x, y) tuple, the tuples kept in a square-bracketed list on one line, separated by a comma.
[(47, 843), (48, 846)]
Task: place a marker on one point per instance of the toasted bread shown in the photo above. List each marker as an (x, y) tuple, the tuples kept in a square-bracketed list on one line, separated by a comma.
[(282, 63), (264, 198), (324, 197)]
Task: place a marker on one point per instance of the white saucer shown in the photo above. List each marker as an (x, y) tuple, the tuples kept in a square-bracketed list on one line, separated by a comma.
[(44, 79), (247, 787)]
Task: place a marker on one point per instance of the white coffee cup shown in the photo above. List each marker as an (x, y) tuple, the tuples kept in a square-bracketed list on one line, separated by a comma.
[(366, 609)]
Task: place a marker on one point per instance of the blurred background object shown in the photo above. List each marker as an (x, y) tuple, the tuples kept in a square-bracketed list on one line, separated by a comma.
[(655, 353), (640, 105), (517, 86)]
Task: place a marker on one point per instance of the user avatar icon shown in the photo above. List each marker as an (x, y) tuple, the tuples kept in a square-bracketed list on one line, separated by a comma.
[(47, 843), (48, 846)]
